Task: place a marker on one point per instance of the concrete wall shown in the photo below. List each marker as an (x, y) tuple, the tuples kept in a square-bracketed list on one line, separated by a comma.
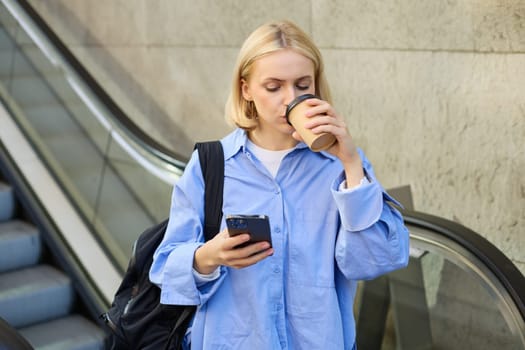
[(432, 90)]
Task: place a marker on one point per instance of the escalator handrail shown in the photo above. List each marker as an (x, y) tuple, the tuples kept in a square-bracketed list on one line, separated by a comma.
[(11, 339), (499, 264), (127, 125)]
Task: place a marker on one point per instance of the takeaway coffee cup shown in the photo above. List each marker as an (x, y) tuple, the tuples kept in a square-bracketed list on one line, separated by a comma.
[(296, 118)]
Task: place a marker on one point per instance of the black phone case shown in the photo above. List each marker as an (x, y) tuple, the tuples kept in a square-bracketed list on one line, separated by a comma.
[(258, 226)]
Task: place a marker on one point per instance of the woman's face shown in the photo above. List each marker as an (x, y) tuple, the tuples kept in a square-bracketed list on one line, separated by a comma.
[(275, 80)]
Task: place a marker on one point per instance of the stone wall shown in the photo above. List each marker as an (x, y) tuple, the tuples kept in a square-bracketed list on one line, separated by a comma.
[(431, 90)]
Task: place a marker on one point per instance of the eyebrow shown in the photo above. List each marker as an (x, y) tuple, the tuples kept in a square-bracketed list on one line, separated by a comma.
[(281, 80)]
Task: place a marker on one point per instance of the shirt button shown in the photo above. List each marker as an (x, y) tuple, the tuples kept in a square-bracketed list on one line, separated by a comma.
[(277, 230), (276, 270)]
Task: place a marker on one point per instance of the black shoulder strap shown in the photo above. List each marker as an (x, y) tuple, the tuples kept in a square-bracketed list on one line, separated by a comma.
[(211, 157)]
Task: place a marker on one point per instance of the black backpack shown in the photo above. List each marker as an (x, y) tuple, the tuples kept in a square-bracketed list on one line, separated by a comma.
[(136, 318)]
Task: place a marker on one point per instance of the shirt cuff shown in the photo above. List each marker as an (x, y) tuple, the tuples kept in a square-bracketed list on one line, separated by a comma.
[(343, 188), (201, 278), (178, 283), (360, 207)]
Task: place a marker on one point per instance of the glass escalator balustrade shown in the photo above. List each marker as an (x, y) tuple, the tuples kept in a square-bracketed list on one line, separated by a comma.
[(446, 299)]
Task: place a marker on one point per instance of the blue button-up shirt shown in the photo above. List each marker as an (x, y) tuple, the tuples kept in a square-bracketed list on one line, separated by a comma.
[(324, 240)]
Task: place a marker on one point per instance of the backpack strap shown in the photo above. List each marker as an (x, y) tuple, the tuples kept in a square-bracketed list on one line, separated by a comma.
[(211, 157)]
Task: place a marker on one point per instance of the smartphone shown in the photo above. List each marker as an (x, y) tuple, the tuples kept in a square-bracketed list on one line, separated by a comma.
[(258, 226)]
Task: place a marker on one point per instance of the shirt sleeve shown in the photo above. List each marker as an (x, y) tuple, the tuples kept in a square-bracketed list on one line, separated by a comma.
[(172, 267), (372, 239)]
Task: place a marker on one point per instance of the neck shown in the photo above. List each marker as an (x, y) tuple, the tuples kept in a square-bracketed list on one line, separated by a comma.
[(272, 142)]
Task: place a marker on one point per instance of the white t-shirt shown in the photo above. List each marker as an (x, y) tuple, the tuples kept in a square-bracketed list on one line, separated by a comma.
[(271, 159)]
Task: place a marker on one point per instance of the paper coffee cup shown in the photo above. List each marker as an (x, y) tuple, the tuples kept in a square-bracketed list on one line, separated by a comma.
[(295, 115)]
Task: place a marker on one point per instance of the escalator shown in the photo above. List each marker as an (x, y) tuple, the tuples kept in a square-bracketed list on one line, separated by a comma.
[(85, 181), (43, 302), (71, 192), (458, 292)]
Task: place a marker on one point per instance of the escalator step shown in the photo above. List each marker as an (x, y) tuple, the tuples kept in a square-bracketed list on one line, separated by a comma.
[(35, 294), (7, 202), (20, 245), (69, 333)]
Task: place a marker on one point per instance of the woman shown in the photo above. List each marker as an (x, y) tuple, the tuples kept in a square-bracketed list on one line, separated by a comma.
[(330, 221)]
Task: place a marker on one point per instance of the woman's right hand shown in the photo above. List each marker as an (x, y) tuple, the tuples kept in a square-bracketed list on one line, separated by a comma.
[(221, 250)]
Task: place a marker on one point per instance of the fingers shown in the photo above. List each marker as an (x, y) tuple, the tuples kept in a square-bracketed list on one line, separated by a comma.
[(230, 254), (297, 136), (230, 242), (322, 113), (324, 123), (324, 118), (249, 255), (320, 120), (320, 107)]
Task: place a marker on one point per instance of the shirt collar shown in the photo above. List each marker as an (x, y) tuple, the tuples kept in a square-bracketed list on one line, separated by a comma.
[(236, 141)]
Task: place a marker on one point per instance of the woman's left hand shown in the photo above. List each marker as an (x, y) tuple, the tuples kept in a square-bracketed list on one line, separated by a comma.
[(324, 118)]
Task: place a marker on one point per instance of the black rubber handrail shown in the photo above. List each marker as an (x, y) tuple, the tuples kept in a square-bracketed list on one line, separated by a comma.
[(127, 124), (10, 338), (499, 264)]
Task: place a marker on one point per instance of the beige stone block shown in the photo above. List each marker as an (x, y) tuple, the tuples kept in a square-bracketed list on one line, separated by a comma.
[(493, 25), (80, 22), (217, 23), (113, 23), (192, 85), (449, 124), (499, 25), (65, 19)]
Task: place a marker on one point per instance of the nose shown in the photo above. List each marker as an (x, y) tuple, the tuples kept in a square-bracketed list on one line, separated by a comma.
[(290, 94)]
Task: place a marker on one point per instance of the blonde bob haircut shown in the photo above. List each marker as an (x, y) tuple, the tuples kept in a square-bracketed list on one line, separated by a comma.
[(268, 38)]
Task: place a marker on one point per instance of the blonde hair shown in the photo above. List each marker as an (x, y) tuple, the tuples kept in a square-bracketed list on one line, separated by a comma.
[(268, 38)]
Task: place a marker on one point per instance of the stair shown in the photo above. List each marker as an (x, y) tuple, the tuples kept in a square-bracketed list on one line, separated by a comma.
[(36, 297)]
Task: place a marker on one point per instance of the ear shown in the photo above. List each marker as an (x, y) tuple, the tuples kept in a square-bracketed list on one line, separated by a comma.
[(245, 89)]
